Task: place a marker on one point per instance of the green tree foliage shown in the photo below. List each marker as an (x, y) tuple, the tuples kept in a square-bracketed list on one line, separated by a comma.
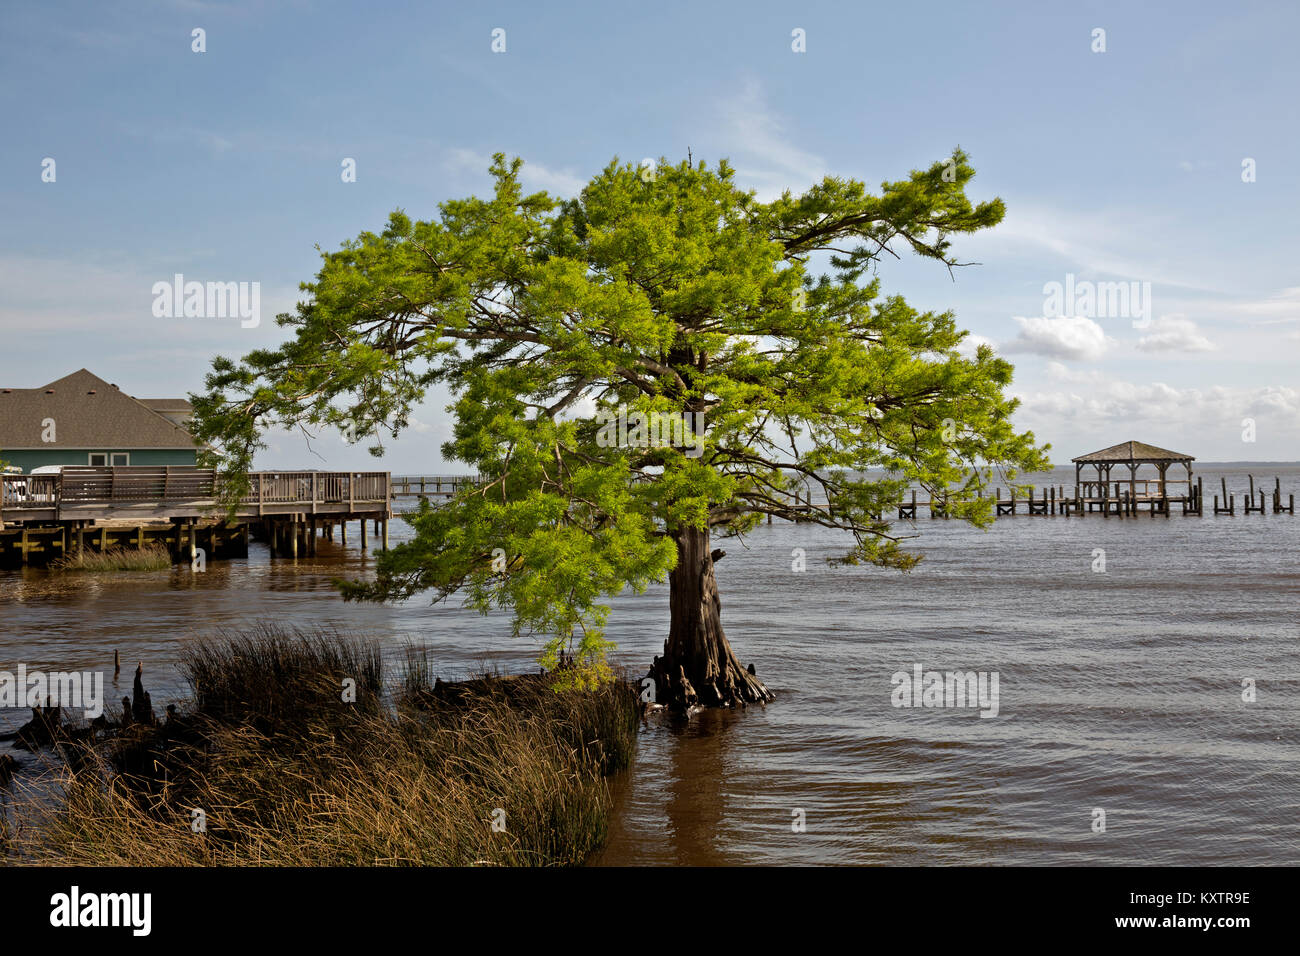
[(668, 291)]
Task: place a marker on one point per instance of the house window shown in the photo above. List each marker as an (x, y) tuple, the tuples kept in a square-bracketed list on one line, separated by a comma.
[(120, 459), (98, 459)]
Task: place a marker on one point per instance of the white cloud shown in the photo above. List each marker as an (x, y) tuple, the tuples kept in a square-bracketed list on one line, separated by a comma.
[(1067, 336), (1114, 242), (534, 175), (1063, 373), (1092, 410), (1283, 306), (761, 148), (1175, 333), (972, 342)]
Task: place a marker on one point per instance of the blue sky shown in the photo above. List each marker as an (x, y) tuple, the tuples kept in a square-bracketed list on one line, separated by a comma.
[(1124, 165)]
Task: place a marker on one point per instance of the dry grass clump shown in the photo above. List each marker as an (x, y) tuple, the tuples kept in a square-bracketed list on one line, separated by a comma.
[(287, 772), (151, 557)]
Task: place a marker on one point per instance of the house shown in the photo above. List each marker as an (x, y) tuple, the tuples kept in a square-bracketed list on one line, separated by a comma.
[(82, 420)]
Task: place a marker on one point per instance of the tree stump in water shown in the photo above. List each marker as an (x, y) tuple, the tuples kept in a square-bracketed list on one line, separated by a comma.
[(41, 731), (141, 703)]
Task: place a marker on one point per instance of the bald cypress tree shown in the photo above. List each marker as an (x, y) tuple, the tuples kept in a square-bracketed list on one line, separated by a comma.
[(657, 363)]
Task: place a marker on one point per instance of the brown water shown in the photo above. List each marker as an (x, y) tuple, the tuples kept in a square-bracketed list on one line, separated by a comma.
[(1118, 691)]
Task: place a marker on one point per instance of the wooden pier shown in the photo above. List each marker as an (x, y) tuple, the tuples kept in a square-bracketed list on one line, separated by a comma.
[(1110, 500), (44, 516)]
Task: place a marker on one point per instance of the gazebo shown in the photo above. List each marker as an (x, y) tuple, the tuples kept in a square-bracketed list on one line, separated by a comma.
[(1133, 454)]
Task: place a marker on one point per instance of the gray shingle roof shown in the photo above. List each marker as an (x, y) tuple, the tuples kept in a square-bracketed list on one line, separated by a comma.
[(1134, 451), (88, 413)]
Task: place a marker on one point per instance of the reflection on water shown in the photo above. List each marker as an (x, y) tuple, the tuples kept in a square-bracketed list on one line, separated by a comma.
[(1119, 691)]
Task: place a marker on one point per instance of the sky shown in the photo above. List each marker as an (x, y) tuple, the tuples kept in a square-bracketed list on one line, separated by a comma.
[(1162, 153)]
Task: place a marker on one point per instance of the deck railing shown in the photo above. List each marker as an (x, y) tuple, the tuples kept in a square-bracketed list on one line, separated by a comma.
[(83, 488), (1141, 488)]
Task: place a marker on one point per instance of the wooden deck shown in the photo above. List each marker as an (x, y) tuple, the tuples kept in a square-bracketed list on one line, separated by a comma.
[(141, 494)]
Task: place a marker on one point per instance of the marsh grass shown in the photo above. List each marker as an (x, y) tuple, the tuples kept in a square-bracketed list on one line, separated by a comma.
[(288, 774), (149, 558)]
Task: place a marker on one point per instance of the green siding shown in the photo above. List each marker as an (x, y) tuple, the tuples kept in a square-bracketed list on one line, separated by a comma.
[(27, 460)]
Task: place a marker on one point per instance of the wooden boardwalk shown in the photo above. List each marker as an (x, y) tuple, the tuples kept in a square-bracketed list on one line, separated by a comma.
[(181, 509), (179, 493)]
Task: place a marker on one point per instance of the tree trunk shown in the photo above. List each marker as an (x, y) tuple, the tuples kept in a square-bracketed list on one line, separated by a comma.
[(698, 666)]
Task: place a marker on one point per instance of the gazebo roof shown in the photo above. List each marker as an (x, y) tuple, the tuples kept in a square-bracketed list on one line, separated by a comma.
[(1134, 451)]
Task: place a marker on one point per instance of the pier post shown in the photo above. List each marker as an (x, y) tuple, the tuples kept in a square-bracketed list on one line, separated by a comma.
[(343, 532), (293, 546), (384, 542), (363, 535)]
